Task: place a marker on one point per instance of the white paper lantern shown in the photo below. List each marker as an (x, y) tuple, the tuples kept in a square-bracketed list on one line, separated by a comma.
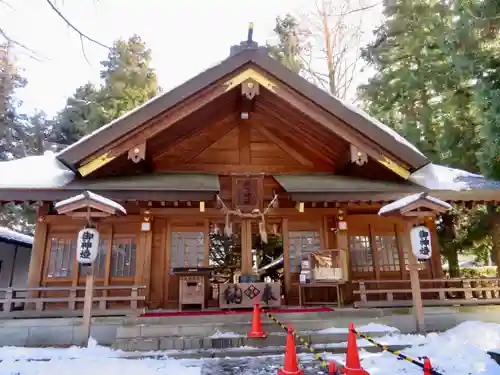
[(421, 242), (87, 245)]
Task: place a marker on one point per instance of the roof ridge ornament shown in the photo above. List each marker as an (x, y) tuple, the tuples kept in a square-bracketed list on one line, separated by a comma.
[(248, 44)]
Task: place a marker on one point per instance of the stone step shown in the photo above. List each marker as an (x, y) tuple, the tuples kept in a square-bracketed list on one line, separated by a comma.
[(241, 328), (198, 343), (270, 351), (347, 313)]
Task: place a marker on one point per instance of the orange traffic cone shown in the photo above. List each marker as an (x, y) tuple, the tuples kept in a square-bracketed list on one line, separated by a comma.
[(290, 366), (427, 366), (256, 332), (332, 369), (353, 364)]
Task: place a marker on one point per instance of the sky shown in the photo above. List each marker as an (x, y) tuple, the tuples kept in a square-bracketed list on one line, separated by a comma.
[(185, 37)]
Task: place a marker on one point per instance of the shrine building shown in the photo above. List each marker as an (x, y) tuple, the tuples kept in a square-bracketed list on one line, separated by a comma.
[(242, 177)]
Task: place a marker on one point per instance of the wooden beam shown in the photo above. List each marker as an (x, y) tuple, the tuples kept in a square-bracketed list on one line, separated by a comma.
[(214, 212), (207, 137), (337, 126), (149, 130), (309, 141), (282, 145), (244, 142), (228, 169)]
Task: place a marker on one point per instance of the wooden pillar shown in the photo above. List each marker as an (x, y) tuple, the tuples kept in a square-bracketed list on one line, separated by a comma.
[(143, 273), (168, 252), (413, 267), (206, 243), (38, 249), (246, 247), (286, 259), (342, 240)]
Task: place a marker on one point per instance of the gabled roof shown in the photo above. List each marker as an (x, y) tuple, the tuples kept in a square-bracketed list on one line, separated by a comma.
[(372, 129)]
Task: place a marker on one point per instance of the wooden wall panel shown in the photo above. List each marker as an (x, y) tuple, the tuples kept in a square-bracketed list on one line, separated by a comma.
[(242, 149)]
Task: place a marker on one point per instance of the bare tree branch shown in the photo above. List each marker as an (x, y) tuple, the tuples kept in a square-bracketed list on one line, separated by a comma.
[(362, 9), (80, 33), (6, 4), (32, 54)]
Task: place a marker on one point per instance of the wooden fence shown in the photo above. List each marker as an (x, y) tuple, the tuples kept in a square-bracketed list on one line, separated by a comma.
[(435, 292), (67, 301)]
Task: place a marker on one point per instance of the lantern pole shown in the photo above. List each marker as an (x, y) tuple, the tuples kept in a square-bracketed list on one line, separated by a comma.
[(89, 295), (413, 267)]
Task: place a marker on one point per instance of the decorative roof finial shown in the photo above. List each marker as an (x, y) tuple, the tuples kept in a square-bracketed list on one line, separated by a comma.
[(250, 33), (246, 44)]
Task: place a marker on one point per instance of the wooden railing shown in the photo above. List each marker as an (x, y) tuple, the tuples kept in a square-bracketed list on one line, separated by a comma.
[(36, 303), (435, 292)]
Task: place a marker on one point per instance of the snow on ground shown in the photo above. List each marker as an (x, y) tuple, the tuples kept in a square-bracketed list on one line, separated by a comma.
[(459, 351), (94, 360), (372, 327), (219, 335)]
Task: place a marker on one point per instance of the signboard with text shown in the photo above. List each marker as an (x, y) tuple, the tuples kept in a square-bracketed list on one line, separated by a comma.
[(244, 295)]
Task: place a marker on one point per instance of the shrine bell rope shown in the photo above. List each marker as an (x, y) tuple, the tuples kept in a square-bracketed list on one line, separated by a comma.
[(255, 214)]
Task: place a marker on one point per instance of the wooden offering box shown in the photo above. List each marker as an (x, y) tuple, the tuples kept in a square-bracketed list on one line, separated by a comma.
[(193, 283)]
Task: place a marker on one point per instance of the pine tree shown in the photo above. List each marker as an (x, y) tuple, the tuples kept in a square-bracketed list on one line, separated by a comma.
[(12, 123), (82, 114), (129, 81), (287, 50), (424, 89)]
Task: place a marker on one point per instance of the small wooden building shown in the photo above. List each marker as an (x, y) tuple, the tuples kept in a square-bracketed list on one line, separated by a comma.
[(214, 153)]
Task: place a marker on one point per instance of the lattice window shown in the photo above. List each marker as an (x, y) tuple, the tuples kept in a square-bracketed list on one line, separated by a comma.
[(299, 243), (188, 249), (361, 253), (62, 257), (388, 254), (123, 257), (100, 261)]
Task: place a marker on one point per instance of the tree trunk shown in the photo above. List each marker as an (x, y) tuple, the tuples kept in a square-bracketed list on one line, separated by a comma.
[(495, 237), (454, 268)]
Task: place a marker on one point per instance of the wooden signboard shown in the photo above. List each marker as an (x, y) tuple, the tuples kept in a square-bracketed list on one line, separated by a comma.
[(244, 295)]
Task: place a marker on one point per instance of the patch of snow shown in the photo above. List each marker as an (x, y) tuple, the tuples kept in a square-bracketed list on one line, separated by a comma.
[(400, 203), (39, 172), (95, 197), (372, 327), (9, 234), (398, 138), (439, 177), (458, 351), (218, 335), (95, 360)]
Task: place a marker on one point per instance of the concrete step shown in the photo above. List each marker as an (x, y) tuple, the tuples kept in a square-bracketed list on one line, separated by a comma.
[(273, 339), (204, 330), (269, 351), (348, 313), (208, 329)]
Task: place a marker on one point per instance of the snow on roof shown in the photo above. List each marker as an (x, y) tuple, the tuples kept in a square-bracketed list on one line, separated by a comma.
[(11, 235), (403, 202), (42, 171), (95, 197), (439, 177), (398, 138)]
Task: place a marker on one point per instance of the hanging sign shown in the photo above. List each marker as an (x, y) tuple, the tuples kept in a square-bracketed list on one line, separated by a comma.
[(87, 245), (421, 242)]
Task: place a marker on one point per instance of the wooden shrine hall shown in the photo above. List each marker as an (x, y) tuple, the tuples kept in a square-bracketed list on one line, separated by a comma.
[(245, 182)]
